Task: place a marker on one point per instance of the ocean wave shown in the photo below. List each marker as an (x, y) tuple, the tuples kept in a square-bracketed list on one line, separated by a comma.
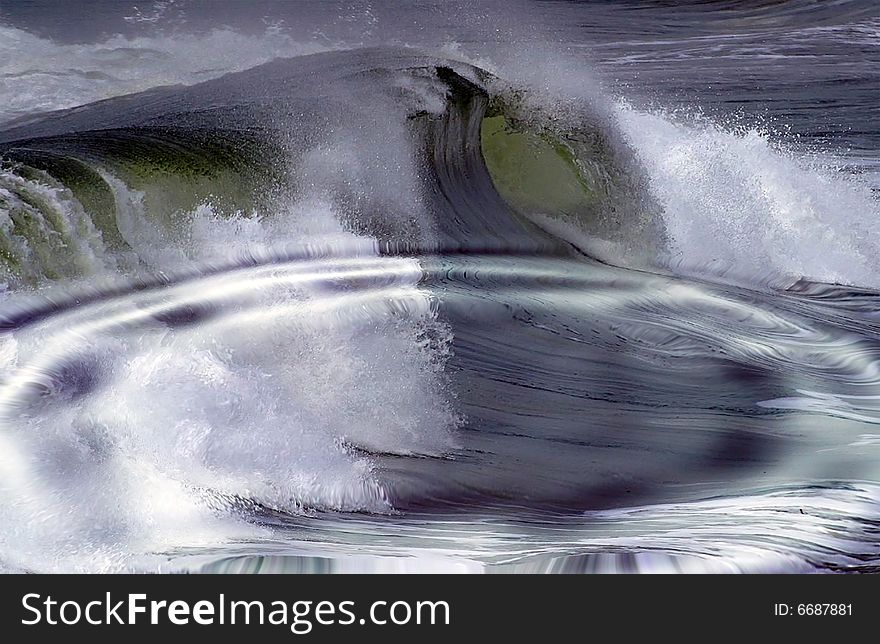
[(354, 294)]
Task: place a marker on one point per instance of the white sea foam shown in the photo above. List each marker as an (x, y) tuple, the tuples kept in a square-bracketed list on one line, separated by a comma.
[(127, 426), (738, 206)]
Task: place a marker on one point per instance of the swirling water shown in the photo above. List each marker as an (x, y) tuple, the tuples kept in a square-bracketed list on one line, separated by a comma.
[(555, 287)]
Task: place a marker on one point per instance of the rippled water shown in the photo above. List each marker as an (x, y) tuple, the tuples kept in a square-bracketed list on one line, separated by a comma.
[(548, 287)]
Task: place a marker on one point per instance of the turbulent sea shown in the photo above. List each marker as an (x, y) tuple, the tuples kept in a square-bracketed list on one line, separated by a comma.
[(443, 286)]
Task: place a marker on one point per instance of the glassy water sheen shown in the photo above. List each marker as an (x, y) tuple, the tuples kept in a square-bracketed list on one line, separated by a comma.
[(545, 287)]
